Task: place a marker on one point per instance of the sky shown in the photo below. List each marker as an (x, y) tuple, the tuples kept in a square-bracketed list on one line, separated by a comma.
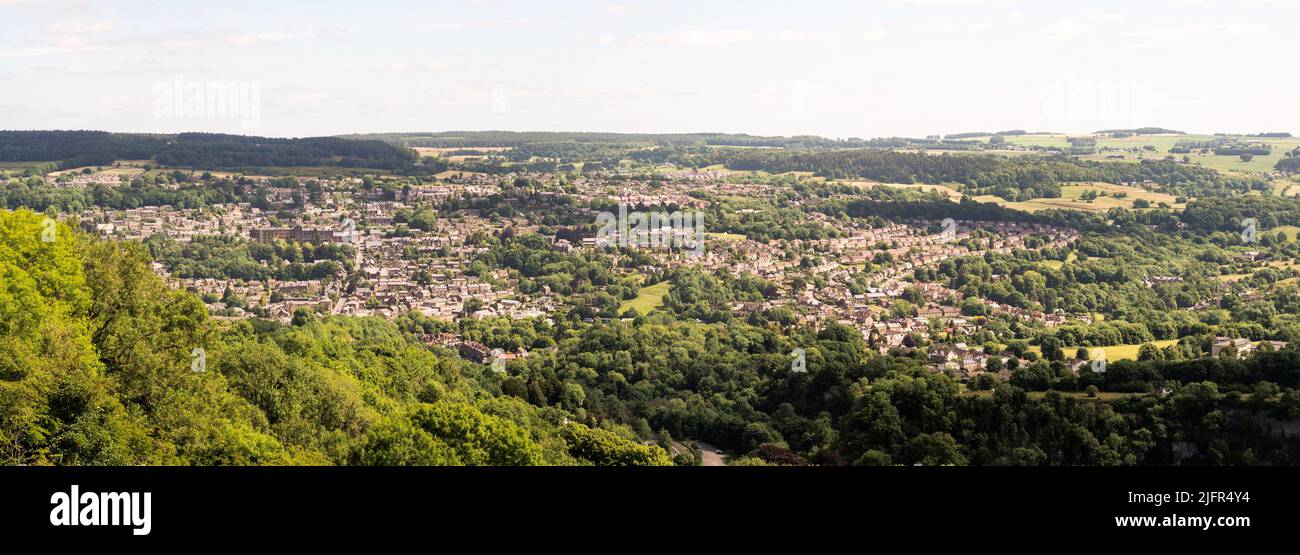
[(864, 68)]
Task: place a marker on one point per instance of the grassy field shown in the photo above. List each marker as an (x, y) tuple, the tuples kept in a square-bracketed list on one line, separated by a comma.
[(1072, 197), (726, 236), (1076, 191), (1162, 144), (1291, 231), (647, 299), (1037, 140), (434, 151), (1057, 264), (1234, 163), (1233, 278), (1286, 188), (1277, 264), (128, 171), (453, 173), (946, 191), (1114, 352), (1100, 205)]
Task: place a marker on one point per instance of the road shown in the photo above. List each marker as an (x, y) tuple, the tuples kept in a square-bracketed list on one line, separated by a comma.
[(343, 297), (710, 455)]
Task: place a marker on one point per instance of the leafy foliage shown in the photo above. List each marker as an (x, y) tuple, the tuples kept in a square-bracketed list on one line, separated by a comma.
[(198, 150), (98, 363)]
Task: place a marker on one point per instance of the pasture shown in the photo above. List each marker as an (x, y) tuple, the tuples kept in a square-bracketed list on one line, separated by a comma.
[(1114, 352), (647, 299), (1132, 149), (948, 192), (1108, 196)]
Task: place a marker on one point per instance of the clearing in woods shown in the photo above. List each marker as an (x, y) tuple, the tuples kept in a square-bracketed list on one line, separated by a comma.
[(948, 192), (1114, 352), (1132, 149), (647, 299), (1108, 196)]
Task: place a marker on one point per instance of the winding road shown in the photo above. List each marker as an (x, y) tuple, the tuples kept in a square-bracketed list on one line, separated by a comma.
[(710, 455)]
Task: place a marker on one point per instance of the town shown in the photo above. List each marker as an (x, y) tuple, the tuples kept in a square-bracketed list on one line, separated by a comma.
[(402, 245)]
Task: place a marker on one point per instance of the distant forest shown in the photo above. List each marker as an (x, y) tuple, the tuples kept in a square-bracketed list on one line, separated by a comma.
[(1012, 178), (205, 151), (454, 139)]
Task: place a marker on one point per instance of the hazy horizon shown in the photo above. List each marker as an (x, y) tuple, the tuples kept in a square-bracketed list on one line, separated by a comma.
[(598, 131), (884, 68)]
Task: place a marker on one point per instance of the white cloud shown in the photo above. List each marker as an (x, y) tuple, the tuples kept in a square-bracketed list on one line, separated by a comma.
[(726, 37), (447, 26), (624, 9), (1066, 29), (697, 38), (691, 57), (803, 36), (946, 2), (949, 26), (1197, 30), (80, 27), (434, 65), (276, 37), (71, 42), (241, 40), (1238, 29), (79, 43), (281, 36), (1108, 17)]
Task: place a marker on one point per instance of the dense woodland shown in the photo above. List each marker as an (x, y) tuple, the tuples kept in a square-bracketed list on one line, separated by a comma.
[(1012, 178), (689, 372), (98, 366), (205, 151)]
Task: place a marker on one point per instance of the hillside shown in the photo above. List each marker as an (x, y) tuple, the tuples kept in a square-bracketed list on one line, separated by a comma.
[(102, 364)]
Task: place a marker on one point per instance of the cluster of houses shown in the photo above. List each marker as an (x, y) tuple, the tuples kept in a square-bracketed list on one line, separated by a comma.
[(965, 362), (1241, 347), (471, 350), (397, 269), (180, 224), (434, 282), (81, 180)]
